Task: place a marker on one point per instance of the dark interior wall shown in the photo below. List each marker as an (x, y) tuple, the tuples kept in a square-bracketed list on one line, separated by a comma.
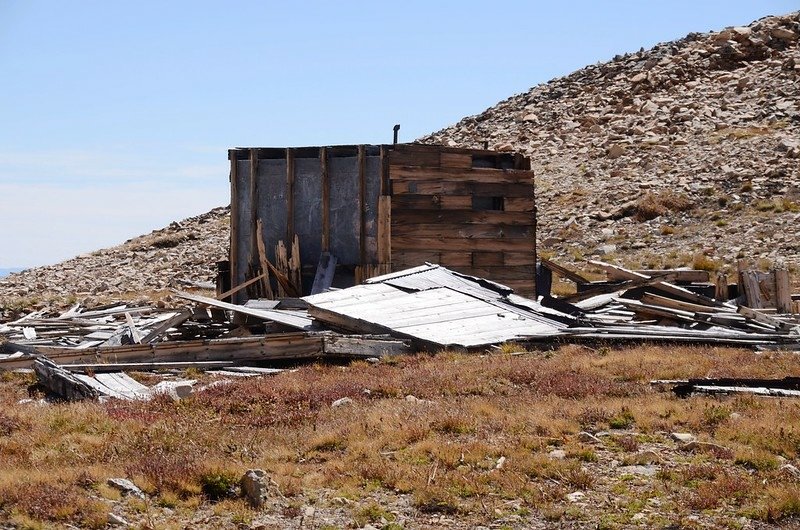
[(268, 199), (344, 206), (308, 208)]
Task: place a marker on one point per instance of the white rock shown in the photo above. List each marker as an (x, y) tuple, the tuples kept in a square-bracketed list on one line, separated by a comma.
[(341, 402), (684, 437)]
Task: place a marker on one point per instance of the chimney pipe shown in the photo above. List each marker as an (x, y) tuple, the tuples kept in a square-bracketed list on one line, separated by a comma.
[(396, 128)]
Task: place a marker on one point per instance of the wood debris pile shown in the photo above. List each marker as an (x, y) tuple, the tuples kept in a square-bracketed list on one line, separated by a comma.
[(83, 353), (681, 305)]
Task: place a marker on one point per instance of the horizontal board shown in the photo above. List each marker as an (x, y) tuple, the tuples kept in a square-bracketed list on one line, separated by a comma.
[(462, 244), (414, 158), (487, 175), (412, 258), (520, 204), (455, 259), (518, 258), (453, 187), (487, 259), (503, 272), (448, 230), (456, 160), (418, 216), (431, 202), (522, 287)]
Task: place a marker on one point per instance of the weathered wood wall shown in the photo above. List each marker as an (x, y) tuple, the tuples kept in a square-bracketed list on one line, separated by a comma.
[(382, 208), (472, 211)]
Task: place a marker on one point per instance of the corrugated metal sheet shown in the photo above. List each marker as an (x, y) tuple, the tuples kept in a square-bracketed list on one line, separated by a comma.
[(433, 304)]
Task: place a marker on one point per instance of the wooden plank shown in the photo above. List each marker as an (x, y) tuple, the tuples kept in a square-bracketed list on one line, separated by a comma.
[(385, 216), (241, 286), (467, 216), (721, 287), (326, 200), (764, 319), (564, 272), (431, 202), (362, 204), (148, 367), (290, 177), (338, 345), (136, 335), (344, 322), (417, 157), (520, 204), (456, 160), (62, 383), (519, 258), (289, 319), (783, 294), (254, 207), (473, 175), (487, 259), (502, 273), (673, 290), (680, 275), (460, 244), (455, 259), (326, 269), (456, 187), (263, 261), (282, 264), (275, 346), (455, 230), (664, 301), (233, 256), (175, 321), (412, 258), (295, 267), (124, 386)]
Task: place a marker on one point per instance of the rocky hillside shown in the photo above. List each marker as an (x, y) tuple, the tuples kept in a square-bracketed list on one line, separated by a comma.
[(182, 253), (687, 152)]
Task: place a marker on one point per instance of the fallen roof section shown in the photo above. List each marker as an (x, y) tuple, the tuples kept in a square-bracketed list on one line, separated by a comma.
[(435, 306)]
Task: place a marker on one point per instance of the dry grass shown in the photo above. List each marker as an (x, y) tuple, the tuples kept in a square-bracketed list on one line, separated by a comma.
[(653, 205), (478, 441)]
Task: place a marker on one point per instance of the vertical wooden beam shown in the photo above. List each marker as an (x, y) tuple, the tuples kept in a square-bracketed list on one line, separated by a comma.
[(783, 293), (721, 287), (253, 250), (326, 200), (384, 171), (234, 246), (290, 175), (384, 234), (362, 198)]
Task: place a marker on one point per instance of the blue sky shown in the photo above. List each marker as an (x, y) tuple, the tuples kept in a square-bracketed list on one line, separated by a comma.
[(116, 116)]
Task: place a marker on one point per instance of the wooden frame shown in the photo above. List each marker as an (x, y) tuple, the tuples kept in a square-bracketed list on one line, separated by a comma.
[(384, 208)]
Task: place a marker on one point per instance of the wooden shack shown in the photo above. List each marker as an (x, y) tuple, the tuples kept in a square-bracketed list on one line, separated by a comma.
[(376, 209)]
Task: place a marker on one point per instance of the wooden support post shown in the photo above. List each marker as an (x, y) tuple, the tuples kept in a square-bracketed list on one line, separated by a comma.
[(384, 158), (384, 234), (290, 175), (783, 294), (326, 200), (253, 250), (362, 196), (234, 242), (721, 287)]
